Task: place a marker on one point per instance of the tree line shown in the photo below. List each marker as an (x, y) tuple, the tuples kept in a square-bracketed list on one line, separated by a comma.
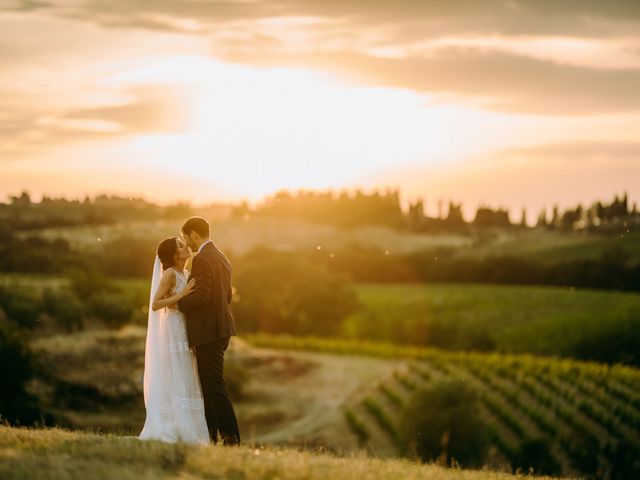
[(22, 213), (346, 209), (342, 209)]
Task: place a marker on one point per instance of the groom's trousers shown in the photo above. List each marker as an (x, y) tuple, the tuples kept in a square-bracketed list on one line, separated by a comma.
[(218, 409)]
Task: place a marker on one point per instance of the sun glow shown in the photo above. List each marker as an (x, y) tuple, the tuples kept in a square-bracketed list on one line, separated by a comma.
[(258, 130), (281, 128)]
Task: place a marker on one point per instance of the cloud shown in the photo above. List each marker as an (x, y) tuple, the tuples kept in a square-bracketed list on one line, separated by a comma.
[(26, 130), (23, 5), (499, 80), (581, 153), (351, 38), (55, 90), (412, 17), (154, 109)]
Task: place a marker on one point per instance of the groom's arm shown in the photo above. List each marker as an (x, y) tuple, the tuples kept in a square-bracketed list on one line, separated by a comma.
[(203, 289)]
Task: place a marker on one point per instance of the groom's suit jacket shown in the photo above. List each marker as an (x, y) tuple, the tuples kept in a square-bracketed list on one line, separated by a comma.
[(206, 309)]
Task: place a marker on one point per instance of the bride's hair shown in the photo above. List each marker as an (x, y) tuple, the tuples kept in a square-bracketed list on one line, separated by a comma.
[(167, 251)]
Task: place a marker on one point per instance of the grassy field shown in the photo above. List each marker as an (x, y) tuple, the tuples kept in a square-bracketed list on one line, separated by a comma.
[(544, 320), (313, 392), (38, 282), (549, 246), (588, 413), (237, 236), (529, 319), (93, 382), (57, 454)]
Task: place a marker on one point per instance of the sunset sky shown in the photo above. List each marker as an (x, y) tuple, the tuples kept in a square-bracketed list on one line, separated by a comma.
[(504, 102)]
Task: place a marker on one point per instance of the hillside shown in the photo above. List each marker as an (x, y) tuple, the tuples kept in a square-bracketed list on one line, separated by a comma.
[(586, 414), (348, 396), (541, 320), (58, 454), (237, 236)]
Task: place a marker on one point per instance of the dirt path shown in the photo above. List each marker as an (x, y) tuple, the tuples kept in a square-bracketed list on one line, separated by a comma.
[(298, 397)]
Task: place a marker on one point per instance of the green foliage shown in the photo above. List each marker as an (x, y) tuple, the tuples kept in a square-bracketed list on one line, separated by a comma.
[(534, 455), (6, 233), (93, 378), (381, 417), (612, 270), (65, 307), (487, 217), (392, 396), (584, 449), (127, 257), (24, 214), (86, 283), (103, 298), (442, 422), (283, 293), (21, 306), (18, 366), (236, 377), (356, 426), (87, 295), (585, 324), (588, 412), (625, 462), (34, 254), (341, 209), (369, 263), (111, 308), (617, 342)]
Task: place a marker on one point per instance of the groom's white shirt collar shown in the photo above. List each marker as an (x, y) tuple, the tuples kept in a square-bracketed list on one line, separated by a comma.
[(202, 246)]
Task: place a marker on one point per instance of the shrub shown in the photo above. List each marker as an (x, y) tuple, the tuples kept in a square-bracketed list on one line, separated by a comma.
[(236, 377), (625, 461), (65, 308), (21, 306), (87, 283), (17, 367), (112, 308), (619, 343), (356, 426), (280, 292), (442, 423), (126, 257), (535, 454)]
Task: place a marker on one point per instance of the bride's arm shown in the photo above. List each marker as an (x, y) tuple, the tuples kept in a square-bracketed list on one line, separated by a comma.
[(167, 282)]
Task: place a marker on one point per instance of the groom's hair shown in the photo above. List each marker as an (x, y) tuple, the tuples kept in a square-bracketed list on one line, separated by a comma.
[(198, 225)]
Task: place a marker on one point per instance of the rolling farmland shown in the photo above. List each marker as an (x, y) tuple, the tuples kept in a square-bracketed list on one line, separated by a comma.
[(588, 413)]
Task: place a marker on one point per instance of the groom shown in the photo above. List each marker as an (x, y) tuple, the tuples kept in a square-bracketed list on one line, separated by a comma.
[(210, 326)]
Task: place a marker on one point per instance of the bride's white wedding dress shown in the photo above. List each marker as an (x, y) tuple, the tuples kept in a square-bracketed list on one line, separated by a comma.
[(172, 393)]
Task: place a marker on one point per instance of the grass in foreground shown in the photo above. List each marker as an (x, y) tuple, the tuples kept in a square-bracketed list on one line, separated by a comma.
[(57, 454)]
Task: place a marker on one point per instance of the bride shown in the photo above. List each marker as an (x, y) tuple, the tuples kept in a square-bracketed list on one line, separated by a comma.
[(172, 393)]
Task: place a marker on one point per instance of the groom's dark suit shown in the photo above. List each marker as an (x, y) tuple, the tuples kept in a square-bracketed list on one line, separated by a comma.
[(210, 324)]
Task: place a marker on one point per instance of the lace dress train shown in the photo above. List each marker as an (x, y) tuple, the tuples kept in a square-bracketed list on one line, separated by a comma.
[(173, 396)]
